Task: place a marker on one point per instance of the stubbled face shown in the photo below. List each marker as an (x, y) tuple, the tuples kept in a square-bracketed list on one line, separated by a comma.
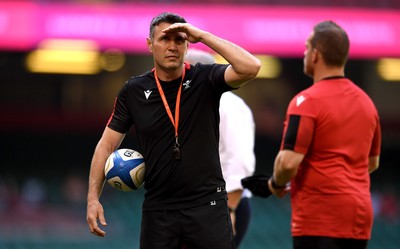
[(168, 49), (308, 58)]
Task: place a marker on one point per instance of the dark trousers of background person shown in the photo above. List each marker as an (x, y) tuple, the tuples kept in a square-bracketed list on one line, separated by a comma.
[(243, 215)]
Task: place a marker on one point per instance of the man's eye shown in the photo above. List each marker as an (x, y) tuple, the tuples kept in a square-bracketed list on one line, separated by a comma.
[(180, 40)]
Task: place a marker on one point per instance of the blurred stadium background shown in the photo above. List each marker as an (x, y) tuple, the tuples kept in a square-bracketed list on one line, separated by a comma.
[(63, 61)]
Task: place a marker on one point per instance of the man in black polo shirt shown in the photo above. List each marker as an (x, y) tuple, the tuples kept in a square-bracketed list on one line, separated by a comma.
[(174, 109)]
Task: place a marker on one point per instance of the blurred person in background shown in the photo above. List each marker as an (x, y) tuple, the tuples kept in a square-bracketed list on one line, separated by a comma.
[(174, 110), (331, 143), (236, 149)]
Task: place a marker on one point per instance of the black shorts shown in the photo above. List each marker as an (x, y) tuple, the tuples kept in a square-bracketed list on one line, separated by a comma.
[(203, 227), (320, 242)]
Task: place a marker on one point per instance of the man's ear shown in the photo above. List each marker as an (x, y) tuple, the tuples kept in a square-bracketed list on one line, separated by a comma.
[(315, 56), (187, 48), (149, 44)]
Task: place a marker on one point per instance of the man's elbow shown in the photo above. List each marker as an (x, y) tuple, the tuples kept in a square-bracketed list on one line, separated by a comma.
[(372, 168), (254, 69), (249, 70), (373, 164)]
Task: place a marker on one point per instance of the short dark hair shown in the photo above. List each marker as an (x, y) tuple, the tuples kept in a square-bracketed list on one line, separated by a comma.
[(332, 42), (167, 17)]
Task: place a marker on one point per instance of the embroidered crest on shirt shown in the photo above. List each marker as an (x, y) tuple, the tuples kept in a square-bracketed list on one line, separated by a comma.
[(147, 93), (300, 100), (187, 84)]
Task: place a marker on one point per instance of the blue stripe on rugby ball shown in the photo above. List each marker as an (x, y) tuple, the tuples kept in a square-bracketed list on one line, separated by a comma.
[(122, 168)]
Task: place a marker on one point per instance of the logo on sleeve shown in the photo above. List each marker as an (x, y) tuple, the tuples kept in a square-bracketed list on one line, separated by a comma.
[(300, 99), (147, 93)]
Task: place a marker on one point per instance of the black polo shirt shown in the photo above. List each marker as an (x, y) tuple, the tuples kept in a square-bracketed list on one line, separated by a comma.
[(196, 178)]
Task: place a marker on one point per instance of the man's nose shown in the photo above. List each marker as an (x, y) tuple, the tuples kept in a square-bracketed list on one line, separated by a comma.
[(172, 45)]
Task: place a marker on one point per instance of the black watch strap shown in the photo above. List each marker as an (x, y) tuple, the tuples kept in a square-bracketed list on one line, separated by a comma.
[(276, 186)]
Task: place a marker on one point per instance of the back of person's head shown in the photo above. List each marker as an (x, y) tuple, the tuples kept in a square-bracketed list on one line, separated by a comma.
[(167, 17), (194, 56), (332, 42)]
